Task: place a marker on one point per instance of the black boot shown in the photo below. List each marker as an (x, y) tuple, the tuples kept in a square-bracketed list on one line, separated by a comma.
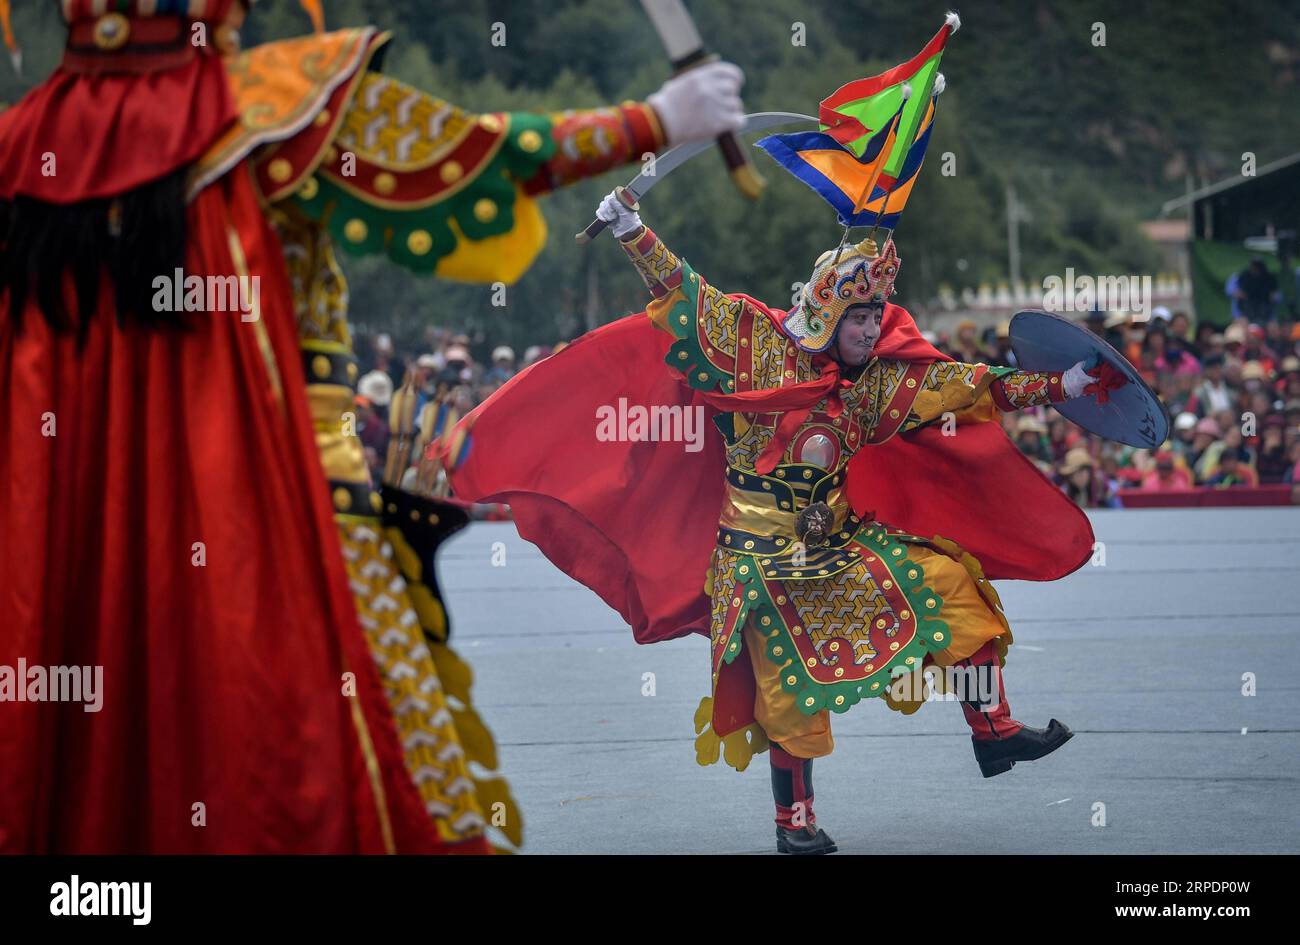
[(804, 841), (791, 786), (1029, 744)]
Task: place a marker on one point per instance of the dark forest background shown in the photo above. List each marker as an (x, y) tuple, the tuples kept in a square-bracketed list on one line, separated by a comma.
[(1094, 138)]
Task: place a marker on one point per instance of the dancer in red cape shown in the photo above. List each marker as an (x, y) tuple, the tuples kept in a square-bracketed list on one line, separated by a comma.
[(744, 494), (216, 633), (162, 518)]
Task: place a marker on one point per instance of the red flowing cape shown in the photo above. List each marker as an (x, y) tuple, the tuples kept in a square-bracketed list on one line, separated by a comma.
[(637, 521), (81, 137), (163, 516)]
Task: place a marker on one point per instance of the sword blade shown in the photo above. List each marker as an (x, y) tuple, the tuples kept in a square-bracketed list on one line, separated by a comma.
[(681, 40), (673, 158)]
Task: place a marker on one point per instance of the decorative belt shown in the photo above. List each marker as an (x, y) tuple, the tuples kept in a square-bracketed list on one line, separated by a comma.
[(115, 42), (355, 499), (789, 489), (331, 372), (759, 512), (328, 362)]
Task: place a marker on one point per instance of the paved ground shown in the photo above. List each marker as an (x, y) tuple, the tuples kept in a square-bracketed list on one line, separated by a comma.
[(1143, 658)]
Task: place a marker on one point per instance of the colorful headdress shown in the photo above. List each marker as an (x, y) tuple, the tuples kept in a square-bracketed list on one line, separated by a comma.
[(860, 276)]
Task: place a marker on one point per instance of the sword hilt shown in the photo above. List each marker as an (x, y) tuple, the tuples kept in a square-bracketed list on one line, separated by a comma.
[(743, 173), (596, 226)]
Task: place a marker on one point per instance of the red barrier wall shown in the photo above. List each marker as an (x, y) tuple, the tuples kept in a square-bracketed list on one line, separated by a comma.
[(1205, 496)]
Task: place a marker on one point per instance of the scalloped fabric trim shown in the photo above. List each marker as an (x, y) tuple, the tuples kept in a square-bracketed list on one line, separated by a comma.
[(686, 355), (810, 695), (737, 749), (492, 794), (418, 239)]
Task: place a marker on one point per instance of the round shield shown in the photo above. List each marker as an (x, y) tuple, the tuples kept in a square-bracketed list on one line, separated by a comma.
[(1133, 414)]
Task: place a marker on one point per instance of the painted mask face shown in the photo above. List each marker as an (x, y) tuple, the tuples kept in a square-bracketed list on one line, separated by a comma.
[(842, 279), (858, 332)]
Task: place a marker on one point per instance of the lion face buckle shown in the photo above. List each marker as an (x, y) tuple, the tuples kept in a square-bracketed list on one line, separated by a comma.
[(814, 524)]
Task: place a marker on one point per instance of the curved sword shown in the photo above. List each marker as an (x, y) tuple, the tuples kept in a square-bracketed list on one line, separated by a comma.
[(670, 160)]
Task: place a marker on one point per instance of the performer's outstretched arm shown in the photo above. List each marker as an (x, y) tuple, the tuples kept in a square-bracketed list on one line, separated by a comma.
[(1016, 389), (658, 266), (709, 341), (973, 392), (698, 104), (390, 168)]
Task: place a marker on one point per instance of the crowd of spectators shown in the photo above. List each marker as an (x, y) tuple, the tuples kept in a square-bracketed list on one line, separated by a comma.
[(445, 374), (1233, 394)]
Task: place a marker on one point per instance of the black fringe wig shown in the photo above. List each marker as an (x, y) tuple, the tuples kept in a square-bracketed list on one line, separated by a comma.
[(135, 238)]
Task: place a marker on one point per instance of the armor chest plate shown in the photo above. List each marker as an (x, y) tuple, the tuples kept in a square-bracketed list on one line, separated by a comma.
[(823, 441)]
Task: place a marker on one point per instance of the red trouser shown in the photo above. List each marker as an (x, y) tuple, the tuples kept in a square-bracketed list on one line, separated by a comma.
[(792, 789), (987, 714)]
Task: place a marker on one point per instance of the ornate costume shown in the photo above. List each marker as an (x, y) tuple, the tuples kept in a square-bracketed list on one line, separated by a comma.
[(833, 617), (862, 496), (298, 682), (859, 508)]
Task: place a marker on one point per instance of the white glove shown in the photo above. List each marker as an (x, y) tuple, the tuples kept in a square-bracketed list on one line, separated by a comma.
[(1075, 380), (701, 103), (623, 221)]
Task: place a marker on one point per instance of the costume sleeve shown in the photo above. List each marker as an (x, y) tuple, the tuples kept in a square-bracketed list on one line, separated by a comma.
[(1016, 389), (658, 266), (590, 141), (441, 189), (977, 392), (390, 169), (704, 319)]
